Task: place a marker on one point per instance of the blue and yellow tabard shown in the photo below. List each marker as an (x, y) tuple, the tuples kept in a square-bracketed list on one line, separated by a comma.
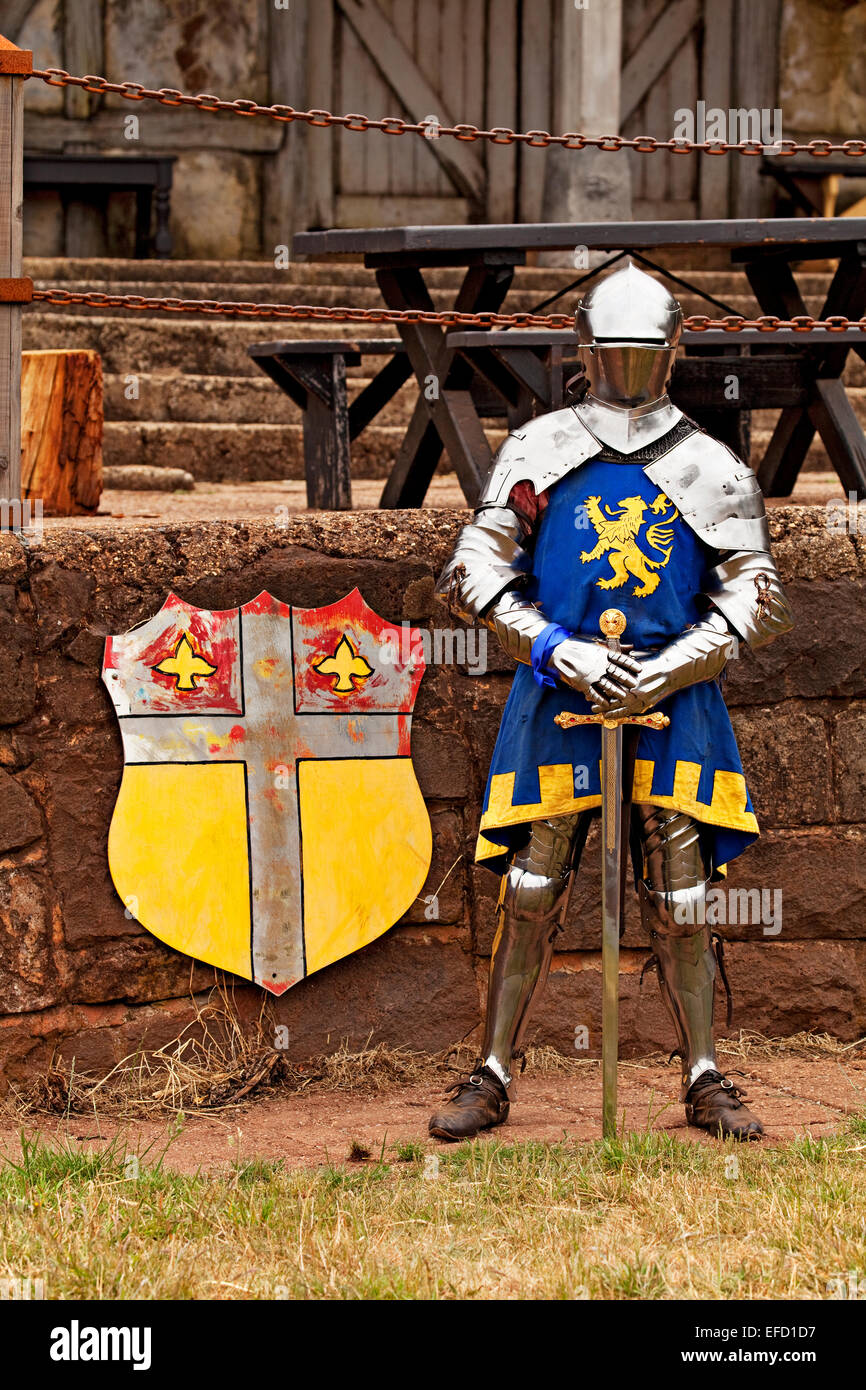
[(609, 538)]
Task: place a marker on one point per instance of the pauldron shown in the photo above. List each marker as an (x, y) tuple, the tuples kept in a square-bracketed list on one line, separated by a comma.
[(716, 494)]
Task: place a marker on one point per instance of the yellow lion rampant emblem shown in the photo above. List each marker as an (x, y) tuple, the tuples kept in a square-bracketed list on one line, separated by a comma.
[(617, 538)]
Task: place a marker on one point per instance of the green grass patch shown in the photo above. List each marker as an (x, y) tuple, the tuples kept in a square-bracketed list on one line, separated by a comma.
[(642, 1217)]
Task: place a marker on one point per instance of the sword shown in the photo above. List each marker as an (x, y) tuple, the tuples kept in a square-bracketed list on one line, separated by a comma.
[(612, 623)]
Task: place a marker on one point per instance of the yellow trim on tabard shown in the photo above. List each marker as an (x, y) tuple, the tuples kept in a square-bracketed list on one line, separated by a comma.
[(556, 784), (178, 854), (366, 847)]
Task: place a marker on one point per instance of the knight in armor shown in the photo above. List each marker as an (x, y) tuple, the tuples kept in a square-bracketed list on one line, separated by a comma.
[(618, 499)]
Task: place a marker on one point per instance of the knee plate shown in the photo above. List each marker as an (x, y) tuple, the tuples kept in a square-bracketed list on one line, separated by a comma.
[(533, 897), (679, 912), (536, 884)]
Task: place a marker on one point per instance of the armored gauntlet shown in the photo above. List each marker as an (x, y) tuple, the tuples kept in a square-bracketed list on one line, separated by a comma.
[(698, 654)]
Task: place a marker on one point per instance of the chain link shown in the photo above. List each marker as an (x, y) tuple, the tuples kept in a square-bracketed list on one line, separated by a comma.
[(446, 318), (395, 125)]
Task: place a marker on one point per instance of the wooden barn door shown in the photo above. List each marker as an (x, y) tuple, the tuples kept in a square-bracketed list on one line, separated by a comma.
[(675, 53), (485, 62)]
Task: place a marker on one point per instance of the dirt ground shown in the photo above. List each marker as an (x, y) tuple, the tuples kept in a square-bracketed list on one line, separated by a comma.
[(792, 1095), (236, 501)]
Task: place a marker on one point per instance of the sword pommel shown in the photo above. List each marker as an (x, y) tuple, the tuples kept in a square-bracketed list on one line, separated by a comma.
[(612, 622)]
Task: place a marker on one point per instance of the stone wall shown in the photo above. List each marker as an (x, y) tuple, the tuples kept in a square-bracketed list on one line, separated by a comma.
[(80, 978)]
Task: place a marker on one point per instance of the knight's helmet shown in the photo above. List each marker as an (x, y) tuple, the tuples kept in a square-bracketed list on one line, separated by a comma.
[(628, 327)]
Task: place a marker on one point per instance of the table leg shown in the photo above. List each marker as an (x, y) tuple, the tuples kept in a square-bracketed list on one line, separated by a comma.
[(444, 381), (162, 241), (326, 430), (778, 469), (416, 462), (828, 409), (375, 396), (143, 203), (833, 416)]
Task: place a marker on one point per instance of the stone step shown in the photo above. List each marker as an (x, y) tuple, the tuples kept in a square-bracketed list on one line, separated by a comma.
[(366, 296), (220, 452), (227, 400), (214, 347), (139, 343), (233, 452), (215, 274), (254, 400), (120, 273)]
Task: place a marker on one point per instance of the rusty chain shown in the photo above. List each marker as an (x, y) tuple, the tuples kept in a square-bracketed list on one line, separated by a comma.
[(431, 129), (448, 318)]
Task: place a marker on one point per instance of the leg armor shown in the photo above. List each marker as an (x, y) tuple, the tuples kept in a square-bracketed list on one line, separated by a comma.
[(672, 899), (531, 907)]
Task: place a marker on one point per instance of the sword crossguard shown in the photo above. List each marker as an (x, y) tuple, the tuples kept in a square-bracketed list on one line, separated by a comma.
[(656, 720)]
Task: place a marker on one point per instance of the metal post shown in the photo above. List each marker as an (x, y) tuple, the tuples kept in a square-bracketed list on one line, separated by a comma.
[(15, 63)]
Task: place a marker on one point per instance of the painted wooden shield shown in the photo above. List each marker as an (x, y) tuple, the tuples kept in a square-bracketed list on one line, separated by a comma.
[(269, 820)]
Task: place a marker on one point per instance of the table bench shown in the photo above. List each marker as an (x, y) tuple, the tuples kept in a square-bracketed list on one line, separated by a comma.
[(148, 178), (811, 183), (765, 248), (530, 369), (312, 373)]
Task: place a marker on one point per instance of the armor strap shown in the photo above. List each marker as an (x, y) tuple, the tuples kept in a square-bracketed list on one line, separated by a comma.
[(542, 650)]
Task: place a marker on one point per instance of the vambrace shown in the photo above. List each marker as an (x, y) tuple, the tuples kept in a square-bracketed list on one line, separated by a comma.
[(488, 558), (698, 654), (517, 623), (745, 587)]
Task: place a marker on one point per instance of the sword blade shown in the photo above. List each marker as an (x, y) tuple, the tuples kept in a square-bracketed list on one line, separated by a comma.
[(612, 831)]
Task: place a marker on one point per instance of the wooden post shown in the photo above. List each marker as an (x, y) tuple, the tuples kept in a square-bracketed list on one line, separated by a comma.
[(15, 63), (586, 186)]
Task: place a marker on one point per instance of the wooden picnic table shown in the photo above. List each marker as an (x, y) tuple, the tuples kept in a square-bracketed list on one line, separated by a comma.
[(444, 414)]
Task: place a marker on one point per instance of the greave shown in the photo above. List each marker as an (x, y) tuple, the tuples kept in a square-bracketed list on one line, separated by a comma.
[(531, 906), (687, 971)]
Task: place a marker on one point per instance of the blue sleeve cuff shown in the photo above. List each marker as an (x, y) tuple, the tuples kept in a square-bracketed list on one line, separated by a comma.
[(542, 648)]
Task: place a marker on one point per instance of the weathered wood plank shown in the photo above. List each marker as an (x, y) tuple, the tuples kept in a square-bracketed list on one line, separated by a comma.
[(535, 112), (756, 59), (165, 130), (655, 52), (744, 236), (409, 83), (284, 193), (83, 52), (15, 13), (321, 143), (406, 209), (501, 107), (715, 170)]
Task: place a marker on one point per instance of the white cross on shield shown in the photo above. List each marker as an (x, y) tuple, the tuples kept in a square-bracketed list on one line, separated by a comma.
[(269, 820)]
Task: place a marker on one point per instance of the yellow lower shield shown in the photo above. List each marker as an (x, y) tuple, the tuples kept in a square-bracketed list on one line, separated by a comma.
[(179, 852)]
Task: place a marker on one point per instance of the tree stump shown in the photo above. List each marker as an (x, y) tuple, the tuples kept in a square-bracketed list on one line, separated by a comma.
[(61, 430)]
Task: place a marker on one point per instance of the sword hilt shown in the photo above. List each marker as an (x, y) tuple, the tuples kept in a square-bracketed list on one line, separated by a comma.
[(613, 624), (656, 720)]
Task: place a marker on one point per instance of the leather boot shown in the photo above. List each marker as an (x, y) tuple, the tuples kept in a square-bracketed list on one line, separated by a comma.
[(715, 1103), (478, 1103)]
